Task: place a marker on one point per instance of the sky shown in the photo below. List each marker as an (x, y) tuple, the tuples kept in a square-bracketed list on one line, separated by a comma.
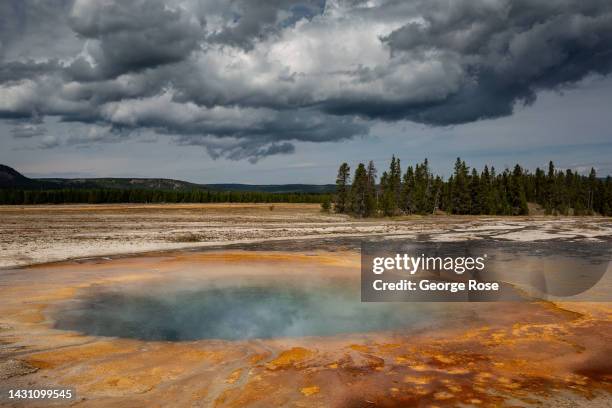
[(283, 91)]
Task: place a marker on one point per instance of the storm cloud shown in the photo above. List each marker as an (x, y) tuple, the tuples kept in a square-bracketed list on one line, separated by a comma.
[(247, 80)]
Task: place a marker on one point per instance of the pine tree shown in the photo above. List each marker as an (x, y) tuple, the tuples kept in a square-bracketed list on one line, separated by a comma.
[(592, 188), (407, 202), (475, 200), (422, 188), (326, 205), (539, 186), (550, 203), (390, 184), (342, 188), (560, 194), (386, 202), (371, 193), (359, 191), (486, 197), (460, 196), (395, 182), (516, 191), (437, 194)]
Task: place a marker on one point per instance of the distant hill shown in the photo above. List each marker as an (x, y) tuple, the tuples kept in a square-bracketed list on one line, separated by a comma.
[(124, 183), (275, 188), (11, 178)]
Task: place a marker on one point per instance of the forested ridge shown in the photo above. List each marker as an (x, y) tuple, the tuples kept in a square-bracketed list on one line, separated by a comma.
[(100, 196), (16, 189), (468, 191)]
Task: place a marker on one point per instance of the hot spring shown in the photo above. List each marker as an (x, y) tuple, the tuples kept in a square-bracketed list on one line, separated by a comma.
[(258, 295), (237, 312)]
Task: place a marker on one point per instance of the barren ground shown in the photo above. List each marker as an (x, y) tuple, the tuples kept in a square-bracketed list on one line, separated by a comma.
[(38, 234)]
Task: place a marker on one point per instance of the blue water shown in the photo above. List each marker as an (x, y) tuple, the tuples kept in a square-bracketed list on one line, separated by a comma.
[(237, 312)]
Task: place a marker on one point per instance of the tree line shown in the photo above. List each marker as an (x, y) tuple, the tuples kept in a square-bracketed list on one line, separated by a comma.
[(468, 191), (104, 196)]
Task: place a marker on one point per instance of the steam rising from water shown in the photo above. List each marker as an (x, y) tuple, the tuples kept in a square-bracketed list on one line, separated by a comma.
[(237, 312)]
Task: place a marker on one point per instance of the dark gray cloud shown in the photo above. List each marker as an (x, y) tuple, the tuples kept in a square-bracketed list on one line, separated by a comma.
[(229, 131), (508, 50), (16, 70), (247, 21), (128, 36), (246, 79), (30, 28), (252, 150)]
